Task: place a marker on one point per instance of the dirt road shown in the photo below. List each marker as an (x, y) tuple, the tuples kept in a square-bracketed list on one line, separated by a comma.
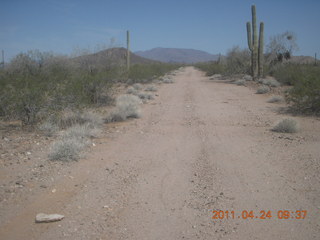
[(202, 146)]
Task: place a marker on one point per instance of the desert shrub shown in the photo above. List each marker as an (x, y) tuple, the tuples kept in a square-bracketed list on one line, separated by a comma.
[(263, 90), (137, 86), (36, 82), (240, 82), (132, 90), (305, 94), (238, 61), (70, 118), (151, 88), (127, 106), (145, 96), (167, 80), (286, 126), (211, 68), (49, 128), (144, 73), (81, 132), (270, 82), (67, 149), (288, 74), (276, 99)]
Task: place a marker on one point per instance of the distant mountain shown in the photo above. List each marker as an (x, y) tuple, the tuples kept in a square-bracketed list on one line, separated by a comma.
[(111, 56), (177, 55)]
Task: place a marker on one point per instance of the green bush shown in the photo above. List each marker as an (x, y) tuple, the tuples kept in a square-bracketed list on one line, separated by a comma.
[(145, 73), (211, 68), (238, 61), (305, 94), (35, 84)]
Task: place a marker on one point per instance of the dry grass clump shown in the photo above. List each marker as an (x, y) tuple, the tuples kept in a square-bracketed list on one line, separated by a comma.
[(151, 88), (132, 90), (127, 106), (82, 127), (167, 80), (276, 99), (137, 86), (66, 149), (286, 126), (145, 96), (70, 118), (240, 82), (263, 90), (271, 82), (49, 128), (81, 132)]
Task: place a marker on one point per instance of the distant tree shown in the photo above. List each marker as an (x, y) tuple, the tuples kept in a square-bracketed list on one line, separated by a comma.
[(281, 47)]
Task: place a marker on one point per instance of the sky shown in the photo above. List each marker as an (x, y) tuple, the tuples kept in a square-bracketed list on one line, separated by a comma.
[(215, 26)]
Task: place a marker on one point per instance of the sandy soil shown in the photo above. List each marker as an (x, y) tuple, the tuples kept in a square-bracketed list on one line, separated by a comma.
[(201, 146)]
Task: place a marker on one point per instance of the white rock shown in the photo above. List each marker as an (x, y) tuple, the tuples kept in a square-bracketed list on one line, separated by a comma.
[(46, 218)]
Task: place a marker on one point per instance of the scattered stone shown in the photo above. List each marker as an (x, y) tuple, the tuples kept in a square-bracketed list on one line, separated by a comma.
[(46, 218)]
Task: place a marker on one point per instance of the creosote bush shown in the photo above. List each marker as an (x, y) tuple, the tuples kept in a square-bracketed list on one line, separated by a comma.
[(286, 126), (37, 84)]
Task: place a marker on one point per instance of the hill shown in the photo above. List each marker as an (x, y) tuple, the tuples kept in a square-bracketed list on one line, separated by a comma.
[(177, 55), (112, 56)]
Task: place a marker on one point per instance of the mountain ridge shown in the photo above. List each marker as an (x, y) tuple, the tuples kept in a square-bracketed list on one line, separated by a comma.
[(177, 55)]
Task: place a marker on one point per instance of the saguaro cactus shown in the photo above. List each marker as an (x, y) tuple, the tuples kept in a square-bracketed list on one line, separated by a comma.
[(255, 46), (128, 51), (260, 51)]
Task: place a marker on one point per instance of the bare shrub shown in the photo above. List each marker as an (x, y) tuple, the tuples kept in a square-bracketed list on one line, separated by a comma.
[(127, 106), (263, 90), (286, 126), (276, 99)]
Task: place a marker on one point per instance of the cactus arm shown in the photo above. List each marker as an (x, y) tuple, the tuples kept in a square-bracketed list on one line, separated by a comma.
[(254, 26), (260, 53), (249, 36)]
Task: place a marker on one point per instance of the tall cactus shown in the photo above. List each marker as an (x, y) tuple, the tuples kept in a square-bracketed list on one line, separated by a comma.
[(255, 46), (260, 52), (128, 50)]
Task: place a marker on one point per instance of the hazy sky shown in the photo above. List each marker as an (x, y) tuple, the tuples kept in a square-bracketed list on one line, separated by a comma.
[(61, 26)]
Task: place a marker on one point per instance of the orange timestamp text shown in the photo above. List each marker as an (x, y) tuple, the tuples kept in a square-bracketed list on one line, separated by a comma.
[(262, 214)]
